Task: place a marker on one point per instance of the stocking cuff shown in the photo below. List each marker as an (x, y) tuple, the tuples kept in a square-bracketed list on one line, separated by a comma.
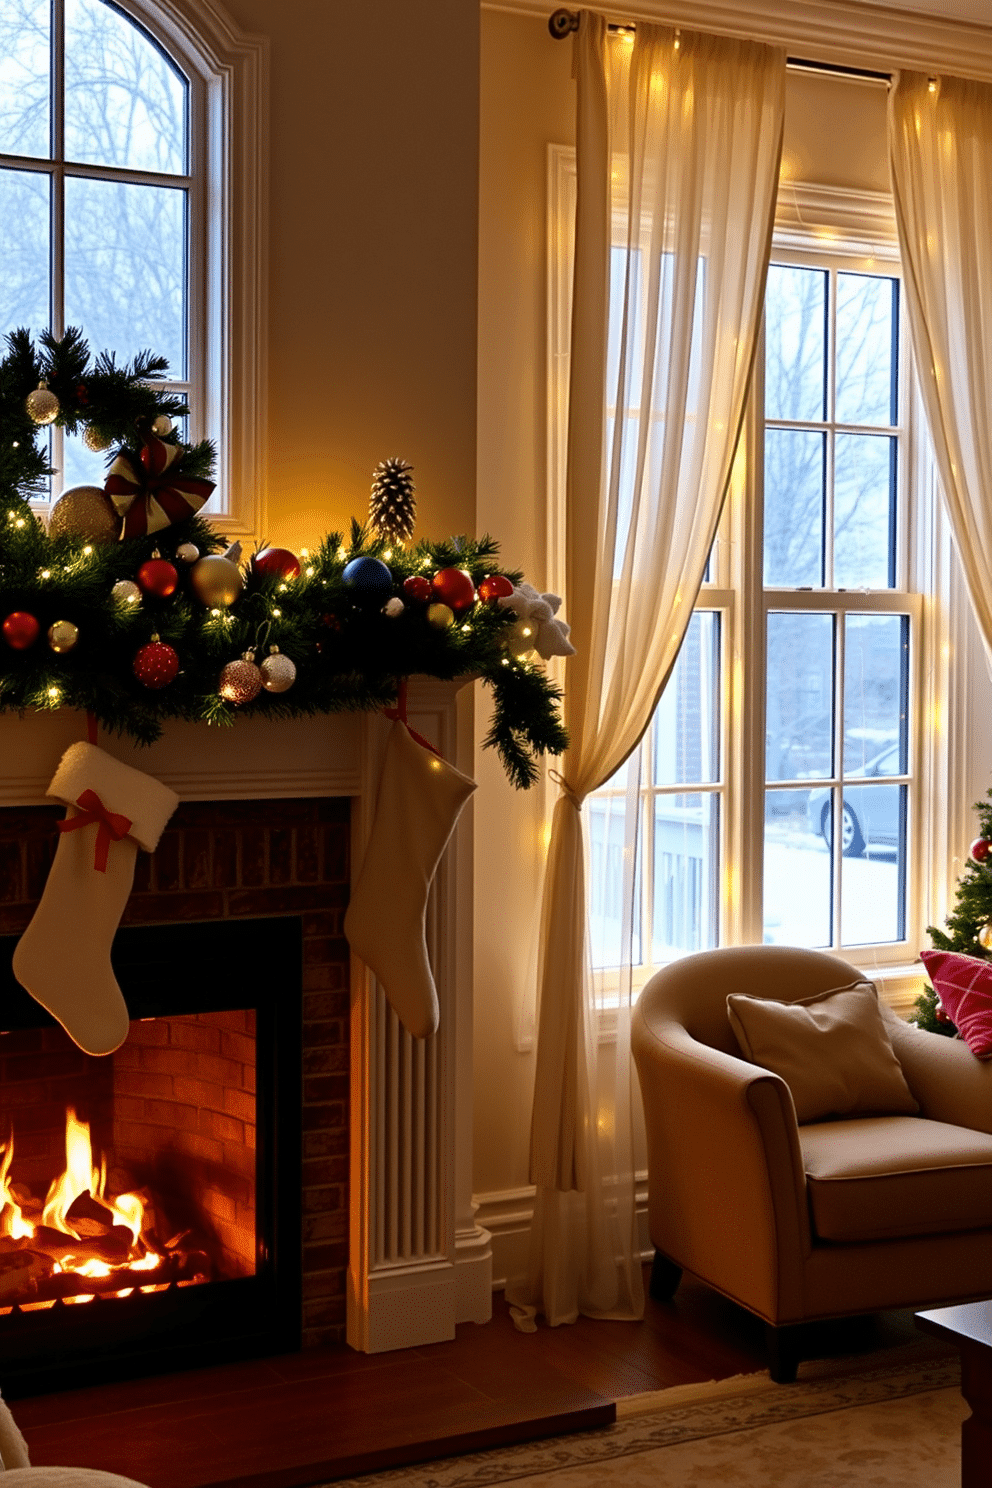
[(145, 801)]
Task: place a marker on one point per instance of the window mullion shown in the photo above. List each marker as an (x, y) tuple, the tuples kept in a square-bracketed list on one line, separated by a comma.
[(57, 207)]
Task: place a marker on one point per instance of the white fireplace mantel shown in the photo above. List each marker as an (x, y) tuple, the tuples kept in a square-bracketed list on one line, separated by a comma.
[(418, 1263)]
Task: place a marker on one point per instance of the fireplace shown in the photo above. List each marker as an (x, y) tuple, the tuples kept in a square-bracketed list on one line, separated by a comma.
[(273, 815), (151, 1215)]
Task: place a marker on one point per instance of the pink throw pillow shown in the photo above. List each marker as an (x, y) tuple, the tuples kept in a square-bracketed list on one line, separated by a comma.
[(964, 986)]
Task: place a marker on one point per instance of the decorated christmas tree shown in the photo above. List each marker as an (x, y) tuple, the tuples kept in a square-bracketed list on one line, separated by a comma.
[(969, 928)]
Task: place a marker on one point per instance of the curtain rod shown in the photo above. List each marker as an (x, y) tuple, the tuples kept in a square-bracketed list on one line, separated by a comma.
[(562, 23)]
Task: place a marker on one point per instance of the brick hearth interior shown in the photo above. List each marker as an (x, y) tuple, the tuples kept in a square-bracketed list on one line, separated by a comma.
[(241, 860)]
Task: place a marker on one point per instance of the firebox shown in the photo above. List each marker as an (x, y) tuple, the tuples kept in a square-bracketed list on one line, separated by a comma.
[(149, 1199)]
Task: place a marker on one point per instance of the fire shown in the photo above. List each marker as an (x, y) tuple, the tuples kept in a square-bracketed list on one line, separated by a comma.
[(104, 1237), (12, 1221)]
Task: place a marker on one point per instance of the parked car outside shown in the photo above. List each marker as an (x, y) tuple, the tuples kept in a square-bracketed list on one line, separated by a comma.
[(871, 813)]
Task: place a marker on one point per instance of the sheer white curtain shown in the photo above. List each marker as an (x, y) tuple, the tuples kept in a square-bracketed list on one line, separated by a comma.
[(678, 144), (940, 144)]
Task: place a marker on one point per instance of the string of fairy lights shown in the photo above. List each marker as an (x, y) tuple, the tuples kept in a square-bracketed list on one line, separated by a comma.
[(131, 606)]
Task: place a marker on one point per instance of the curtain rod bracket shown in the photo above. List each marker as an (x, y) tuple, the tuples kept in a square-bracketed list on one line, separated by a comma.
[(562, 23)]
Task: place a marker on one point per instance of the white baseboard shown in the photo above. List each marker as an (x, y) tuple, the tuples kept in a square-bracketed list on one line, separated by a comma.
[(507, 1214)]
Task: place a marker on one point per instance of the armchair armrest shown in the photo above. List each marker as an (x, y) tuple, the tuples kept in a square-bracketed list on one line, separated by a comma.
[(726, 1187), (945, 1077)]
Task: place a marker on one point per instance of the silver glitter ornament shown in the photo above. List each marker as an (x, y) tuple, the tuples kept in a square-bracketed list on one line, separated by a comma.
[(126, 592), (278, 672)]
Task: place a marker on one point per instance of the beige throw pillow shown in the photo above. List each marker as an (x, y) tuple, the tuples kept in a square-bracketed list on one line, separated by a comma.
[(832, 1050)]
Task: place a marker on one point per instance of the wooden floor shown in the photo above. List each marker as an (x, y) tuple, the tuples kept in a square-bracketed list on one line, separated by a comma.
[(310, 1417)]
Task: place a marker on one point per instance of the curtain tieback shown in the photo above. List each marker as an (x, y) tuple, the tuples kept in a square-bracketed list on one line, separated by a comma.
[(566, 789)]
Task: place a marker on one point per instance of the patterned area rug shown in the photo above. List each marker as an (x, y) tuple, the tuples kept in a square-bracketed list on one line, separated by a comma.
[(878, 1425)]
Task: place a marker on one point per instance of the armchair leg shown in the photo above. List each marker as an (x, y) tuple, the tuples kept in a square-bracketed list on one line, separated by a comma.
[(783, 1353), (665, 1278)]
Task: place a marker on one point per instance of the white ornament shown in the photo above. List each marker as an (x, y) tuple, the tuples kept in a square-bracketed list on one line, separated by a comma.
[(550, 636), (126, 592), (187, 552), (393, 607), (162, 425), (278, 672)]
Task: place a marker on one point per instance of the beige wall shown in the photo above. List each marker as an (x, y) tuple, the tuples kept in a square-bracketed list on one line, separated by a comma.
[(835, 135), (373, 257)]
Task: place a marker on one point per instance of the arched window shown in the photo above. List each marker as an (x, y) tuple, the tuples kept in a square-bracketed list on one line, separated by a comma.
[(115, 135)]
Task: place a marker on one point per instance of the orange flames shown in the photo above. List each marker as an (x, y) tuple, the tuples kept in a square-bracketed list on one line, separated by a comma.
[(97, 1216)]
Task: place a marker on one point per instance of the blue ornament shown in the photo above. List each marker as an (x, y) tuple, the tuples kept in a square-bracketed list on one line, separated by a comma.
[(370, 579)]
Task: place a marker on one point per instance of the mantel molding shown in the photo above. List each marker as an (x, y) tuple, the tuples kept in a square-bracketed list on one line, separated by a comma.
[(843, 32)]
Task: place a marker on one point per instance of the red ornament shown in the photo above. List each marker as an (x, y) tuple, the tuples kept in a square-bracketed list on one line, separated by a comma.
[(980, 849), (156, 665), (20, 630), (453, 587), (493, 587), (158, 577), (941, 1016), (82, 393), (417, 587), (278, 563)]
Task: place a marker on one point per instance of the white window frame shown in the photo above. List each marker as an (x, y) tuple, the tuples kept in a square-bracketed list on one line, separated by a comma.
[(855, 231), (227, 71)]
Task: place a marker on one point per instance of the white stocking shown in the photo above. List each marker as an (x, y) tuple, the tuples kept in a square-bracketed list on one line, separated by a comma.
[(420, 799), (63, 957)]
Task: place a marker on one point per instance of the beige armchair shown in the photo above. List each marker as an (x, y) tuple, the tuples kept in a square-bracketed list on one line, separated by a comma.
[(796, 1223)]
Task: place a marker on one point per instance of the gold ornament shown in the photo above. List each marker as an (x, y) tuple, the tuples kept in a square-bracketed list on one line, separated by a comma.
[(42, 405), (216, 581), (95, 440), (126, 592), (62, 636), (985, 936), (240, 681), (440, 615), (278, 672), (84, 511), (162, 425)]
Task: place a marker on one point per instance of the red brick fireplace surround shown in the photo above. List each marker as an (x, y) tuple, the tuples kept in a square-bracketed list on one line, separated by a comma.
[(234, 860), (273, 823)]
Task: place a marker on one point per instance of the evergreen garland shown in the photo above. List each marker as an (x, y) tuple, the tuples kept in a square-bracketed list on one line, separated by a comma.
[(972, 912), (348, 654)]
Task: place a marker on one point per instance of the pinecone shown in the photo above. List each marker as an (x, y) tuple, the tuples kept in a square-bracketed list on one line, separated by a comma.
[(392, 509)]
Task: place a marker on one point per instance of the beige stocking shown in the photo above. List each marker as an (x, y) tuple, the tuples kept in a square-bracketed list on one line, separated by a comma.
[(63, 957), (420, 799)]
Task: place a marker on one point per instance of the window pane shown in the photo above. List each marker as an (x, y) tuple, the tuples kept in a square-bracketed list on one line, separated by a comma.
[(795, 343), (873, 880), (125, 104), (866, 350), (125, 258), (798, 882), (25, 292), (864, 512), (686, 874), (799, 718), (606, 862), (25, 48), (687, 721), (876, 681), (794, 501)]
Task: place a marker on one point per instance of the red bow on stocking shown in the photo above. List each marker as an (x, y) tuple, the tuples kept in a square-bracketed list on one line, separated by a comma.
[(164, 498), (112, 826)]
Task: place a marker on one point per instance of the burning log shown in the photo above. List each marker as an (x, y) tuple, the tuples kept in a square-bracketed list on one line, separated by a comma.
[(20, 1272)]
